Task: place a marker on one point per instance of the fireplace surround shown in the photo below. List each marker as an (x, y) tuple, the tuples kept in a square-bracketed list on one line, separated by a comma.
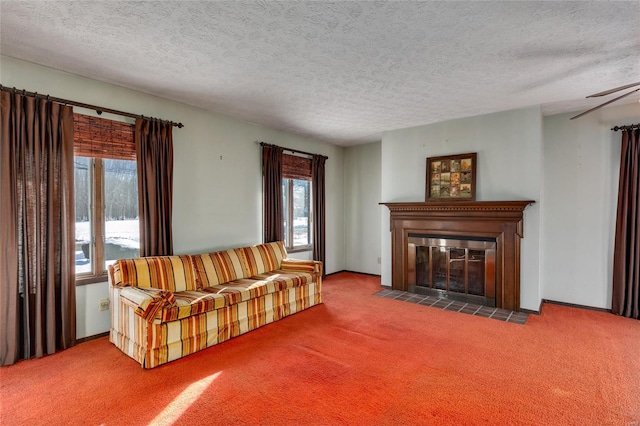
[(499, 221)]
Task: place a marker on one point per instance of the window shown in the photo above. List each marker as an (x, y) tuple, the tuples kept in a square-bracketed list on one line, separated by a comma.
[(106, 196), (296, 196)]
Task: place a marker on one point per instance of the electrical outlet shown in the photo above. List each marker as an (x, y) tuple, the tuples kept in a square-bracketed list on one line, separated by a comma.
[(379, 260), (104, 304)]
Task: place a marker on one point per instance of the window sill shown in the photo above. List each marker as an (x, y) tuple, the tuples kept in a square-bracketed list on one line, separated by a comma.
[(299, 249), (91, 279)]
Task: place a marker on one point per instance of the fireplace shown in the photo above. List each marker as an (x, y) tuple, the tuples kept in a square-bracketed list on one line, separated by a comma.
[(459, 268), (486, 242)]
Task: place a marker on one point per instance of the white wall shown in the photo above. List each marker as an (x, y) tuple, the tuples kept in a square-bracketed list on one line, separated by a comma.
[(509, 147), (217, 172), (582, 162), (89, 319), (362, 171)]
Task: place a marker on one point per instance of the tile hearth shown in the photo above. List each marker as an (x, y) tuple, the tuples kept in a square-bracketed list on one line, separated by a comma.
[(455, 306)]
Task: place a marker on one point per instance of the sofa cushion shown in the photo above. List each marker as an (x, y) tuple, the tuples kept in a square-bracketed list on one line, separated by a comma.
[(218, 267), (171, 273), (279, 280), (188, 303), (264, 257)]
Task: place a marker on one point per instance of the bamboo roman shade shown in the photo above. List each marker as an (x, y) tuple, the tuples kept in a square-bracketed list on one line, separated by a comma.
[(102, 138), (295, 167)]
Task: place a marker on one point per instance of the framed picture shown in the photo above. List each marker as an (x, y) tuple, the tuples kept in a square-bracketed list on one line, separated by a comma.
[(452, 177)]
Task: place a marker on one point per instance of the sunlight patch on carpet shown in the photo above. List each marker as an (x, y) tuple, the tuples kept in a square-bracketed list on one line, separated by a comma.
[(180, 404)]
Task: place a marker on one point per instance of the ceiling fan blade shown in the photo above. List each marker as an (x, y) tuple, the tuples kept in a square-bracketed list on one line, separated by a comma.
[(605, 104), (617, 89)]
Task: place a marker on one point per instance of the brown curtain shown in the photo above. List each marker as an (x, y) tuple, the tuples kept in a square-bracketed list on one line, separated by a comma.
[(626, 260), (37, 228), (154, 151), (317, 173), (272, 193)]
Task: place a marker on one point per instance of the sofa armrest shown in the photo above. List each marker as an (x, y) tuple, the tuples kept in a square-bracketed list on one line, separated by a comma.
[(148, 301), (111, 275), (311, 266)]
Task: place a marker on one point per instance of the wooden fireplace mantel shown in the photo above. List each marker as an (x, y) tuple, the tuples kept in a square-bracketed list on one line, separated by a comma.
[(499, 220)]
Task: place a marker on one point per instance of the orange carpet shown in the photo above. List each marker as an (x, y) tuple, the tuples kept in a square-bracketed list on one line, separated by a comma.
[(356, 359)]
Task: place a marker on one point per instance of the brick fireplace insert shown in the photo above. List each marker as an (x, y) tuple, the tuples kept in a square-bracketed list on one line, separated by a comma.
[(495, 225)]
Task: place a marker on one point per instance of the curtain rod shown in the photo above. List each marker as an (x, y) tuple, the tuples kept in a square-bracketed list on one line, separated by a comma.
[(293, 150), (98, 109), (629, 127)]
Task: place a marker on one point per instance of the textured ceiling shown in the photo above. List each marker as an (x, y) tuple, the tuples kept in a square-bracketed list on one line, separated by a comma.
[(338, 71)]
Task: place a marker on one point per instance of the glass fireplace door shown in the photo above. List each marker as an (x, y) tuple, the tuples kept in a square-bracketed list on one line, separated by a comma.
[(453, 267)]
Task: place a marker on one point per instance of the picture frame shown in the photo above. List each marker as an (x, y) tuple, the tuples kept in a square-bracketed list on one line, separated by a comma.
[(451, 177)]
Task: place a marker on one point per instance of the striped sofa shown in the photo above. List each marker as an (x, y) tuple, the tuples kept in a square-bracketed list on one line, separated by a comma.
[(167, 307)]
